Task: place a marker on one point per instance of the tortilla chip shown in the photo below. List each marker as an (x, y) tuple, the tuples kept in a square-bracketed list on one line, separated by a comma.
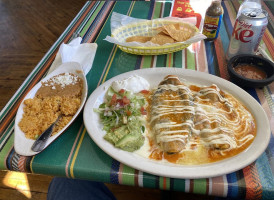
[(177, 26), (162, 39), (142, 39), (164, 32), (181, 34), (160, 29)]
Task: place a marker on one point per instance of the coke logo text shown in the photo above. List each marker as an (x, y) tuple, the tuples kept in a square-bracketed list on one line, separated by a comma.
[(242, 32)]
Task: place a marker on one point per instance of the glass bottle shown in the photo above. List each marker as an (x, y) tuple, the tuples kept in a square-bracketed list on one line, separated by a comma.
[(213, 19)]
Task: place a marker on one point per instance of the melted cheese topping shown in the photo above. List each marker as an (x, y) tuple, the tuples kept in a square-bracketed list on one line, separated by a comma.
[(195, 124)]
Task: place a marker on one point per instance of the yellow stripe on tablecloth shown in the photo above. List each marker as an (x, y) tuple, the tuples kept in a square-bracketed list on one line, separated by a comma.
[(76, 153), (105, 76), (132, 6)]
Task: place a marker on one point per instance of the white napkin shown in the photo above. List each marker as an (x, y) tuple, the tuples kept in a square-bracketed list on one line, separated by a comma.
[(75, 52)]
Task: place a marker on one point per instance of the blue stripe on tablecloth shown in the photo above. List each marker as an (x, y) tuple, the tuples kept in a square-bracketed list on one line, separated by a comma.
[(224, 36), (232, 185), (87, 18), (253, 93), (209, 46), (114, 172), (266, 176), (138, 62), (227, 21), (241, 184), (270, 148), (8, 160), (96, 21), (151, 8)]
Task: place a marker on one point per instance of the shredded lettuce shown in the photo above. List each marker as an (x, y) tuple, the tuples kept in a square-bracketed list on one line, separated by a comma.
[(122, 119)]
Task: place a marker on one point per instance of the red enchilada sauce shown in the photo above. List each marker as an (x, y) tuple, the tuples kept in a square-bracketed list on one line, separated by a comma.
[(250, 71)]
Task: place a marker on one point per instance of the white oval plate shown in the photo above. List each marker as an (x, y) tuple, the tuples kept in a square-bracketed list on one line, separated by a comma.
[(22, 145), (154, 76)]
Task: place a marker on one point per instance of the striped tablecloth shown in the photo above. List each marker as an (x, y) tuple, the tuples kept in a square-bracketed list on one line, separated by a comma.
[(75, 155)]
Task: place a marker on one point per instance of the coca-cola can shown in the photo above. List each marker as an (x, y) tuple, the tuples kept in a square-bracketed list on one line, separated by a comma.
[(247, 33)]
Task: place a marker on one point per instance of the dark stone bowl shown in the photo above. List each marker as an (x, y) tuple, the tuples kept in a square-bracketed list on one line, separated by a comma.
[(264, 64)]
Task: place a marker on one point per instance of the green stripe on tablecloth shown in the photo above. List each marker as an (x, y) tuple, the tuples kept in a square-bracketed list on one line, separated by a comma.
[(150, 181), (177, 59), (147, 61), (74, 151), (91, 18), (6, 134), (5, 151), (128, 175), (92, 165), (169, 60), (57, 153), (199, 186), (190, 59), (140, 5), (164, 183), (179, 185), (122, 63), (157, 10), (161, 61), (167, 9)]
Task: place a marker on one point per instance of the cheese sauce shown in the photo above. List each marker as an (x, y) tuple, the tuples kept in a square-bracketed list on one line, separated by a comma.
[(204, 124)]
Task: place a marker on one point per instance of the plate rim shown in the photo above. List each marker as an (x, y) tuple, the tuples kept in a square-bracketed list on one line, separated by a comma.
[(186, 171)]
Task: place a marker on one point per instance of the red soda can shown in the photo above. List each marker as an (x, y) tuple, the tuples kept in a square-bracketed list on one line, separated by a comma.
[(248, 31)]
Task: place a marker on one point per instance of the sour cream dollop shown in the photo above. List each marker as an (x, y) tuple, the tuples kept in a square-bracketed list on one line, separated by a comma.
[(133, 83)]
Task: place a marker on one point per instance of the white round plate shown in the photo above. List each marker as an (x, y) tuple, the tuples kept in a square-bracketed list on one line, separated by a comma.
[(22, 145), (154, 76)]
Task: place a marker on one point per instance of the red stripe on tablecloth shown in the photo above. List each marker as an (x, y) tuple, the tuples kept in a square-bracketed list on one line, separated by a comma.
[(221, 57), (21, 163), (252, 179), (136, 180), (269, 41), (98, 27), (202, 61), (164, 183), (195, 56), (207, 186), (120, 174), (191, 185), (217, 186)]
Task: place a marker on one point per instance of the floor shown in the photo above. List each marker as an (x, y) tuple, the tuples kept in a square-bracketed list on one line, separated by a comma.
[(28, 29)]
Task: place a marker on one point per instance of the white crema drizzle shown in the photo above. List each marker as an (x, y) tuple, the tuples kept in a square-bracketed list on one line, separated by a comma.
[(227, 129)]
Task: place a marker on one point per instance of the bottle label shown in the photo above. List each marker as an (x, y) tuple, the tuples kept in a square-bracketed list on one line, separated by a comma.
[(212, 26)]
